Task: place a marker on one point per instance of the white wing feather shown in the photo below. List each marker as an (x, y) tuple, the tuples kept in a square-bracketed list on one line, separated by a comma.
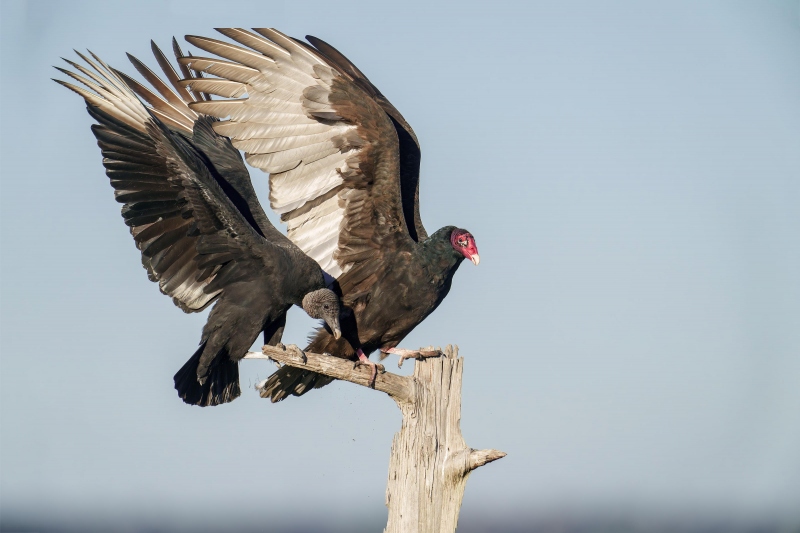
[(286, 127)]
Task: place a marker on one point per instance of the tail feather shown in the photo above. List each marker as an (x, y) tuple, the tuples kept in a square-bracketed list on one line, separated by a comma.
[(220, 386), (290, 381)]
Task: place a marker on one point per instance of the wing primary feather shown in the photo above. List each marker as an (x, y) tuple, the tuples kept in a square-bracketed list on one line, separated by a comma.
[(219, 87), (163, 89), (96, 101), (107, 72), (256, 42), (98, 70), (115, 89), (99, 80), (340, 61), (198, 74), (137, 132), (232, 52), (187, 73), (162, 107), (288, 43), (97, 88), (218, 67), (169, 72)]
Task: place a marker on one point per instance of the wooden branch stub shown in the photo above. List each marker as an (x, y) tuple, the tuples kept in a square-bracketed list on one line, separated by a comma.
[(398, 387), (481, 457), (462, 462)]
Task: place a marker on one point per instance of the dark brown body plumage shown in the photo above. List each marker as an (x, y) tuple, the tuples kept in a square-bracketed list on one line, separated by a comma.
[(410, 288)]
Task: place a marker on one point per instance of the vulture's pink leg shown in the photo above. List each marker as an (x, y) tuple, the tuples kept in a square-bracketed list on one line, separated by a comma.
[(363, 360), (411, 354)]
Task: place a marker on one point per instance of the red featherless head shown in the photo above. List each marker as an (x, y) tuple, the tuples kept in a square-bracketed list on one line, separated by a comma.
[(464, 243)]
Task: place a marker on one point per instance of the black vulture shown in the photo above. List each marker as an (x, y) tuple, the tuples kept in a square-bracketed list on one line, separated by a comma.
[(191, 208)]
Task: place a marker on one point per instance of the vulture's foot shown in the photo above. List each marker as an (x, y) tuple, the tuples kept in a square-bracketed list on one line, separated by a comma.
[(298, 352), (363, 360), (279, 346), (412, 354)]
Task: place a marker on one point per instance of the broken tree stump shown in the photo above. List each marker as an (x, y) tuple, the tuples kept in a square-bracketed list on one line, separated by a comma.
[(430, 461)]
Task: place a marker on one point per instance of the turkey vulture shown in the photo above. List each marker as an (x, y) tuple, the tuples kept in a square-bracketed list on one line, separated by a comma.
[(344, 176), (194, 216)]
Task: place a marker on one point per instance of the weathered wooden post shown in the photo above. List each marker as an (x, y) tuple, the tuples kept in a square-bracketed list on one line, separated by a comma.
[(430, 462)]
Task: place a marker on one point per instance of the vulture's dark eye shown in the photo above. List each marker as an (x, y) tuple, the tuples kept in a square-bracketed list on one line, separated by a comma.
[(462, 243), (325, 306)]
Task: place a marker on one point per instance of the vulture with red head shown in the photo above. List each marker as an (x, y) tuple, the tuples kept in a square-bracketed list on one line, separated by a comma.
[(191, 208), (343, 169)]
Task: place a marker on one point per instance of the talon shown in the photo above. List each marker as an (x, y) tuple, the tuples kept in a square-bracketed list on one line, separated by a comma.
[(373, 371), (363, 360), (412, 354), (300, 353)]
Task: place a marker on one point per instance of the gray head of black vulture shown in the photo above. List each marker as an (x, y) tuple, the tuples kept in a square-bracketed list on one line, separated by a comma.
[(324, 304)]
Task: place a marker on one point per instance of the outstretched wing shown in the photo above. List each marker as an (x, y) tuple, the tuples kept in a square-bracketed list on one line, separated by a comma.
[(331, 150), (218, 150), (224, 237), (153, 203), (409, 144)]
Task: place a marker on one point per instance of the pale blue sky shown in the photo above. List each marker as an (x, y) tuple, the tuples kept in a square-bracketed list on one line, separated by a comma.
[(631, 172)]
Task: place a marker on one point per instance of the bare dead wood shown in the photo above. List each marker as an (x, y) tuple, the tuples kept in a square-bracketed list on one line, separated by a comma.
[(430, 461), (398, 387)]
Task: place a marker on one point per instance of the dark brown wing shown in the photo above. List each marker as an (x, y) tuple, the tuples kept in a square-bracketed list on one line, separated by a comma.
[(221, 234), (220, 154), (153, 202), (332, 152), (409, 144)]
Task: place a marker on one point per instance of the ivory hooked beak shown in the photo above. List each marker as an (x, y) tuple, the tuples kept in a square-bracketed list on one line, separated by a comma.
[(337, 333), (475, 258)]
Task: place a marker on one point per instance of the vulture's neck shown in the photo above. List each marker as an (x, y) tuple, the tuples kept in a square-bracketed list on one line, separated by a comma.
[(439, 255)]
